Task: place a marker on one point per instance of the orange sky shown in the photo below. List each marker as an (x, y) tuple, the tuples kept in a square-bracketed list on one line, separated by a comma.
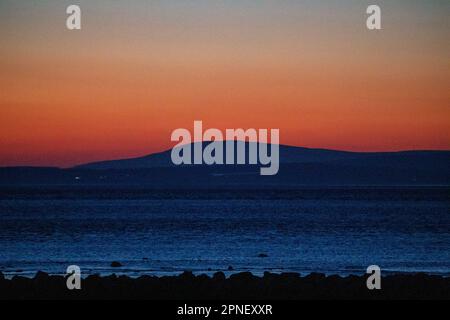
[(118, 87)]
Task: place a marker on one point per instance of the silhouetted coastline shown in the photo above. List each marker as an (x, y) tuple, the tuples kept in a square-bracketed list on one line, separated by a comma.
[(187, 286)]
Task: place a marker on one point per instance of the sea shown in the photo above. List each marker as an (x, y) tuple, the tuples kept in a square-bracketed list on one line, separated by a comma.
[(331, 230)]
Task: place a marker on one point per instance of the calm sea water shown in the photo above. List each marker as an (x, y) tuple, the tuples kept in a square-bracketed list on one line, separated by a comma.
[(331, 230)]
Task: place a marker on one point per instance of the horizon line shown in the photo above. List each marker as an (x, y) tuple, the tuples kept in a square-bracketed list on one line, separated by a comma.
[(279, 144)]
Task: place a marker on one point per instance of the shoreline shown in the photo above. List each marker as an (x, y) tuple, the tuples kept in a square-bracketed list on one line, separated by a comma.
[(137, 273), (238, 286)]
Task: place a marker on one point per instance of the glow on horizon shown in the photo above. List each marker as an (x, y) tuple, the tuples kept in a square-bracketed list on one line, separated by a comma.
[(135, 72)]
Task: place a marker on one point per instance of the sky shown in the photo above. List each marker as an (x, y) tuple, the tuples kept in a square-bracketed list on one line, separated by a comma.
[(137, 70)]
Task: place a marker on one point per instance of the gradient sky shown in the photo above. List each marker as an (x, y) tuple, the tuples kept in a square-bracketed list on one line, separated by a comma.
[(139, 69)]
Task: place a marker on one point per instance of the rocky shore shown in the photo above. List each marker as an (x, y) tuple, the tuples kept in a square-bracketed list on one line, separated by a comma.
[(244, 285)]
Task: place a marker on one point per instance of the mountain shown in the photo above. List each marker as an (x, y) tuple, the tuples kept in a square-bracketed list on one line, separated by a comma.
[(298, 167), (288, 154)]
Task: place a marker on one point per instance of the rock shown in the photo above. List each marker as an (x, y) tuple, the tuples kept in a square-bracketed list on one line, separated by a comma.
[(187, 274), (110, 277), (230, 268), (262, 255), (315, 276), (219, 276), (202, 278), (41, 276), (289, 278), (243, 277), (116, 264), (334, 278), (2, 277), (290, 275), (238, 286), (94, 276)]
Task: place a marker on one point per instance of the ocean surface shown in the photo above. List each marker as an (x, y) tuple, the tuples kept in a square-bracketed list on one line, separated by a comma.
[(329, 230)]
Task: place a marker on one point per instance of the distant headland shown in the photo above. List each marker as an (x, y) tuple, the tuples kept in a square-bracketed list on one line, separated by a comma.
[(298, 167)]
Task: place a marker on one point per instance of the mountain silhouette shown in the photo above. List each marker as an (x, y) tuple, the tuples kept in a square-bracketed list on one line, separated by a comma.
[(288, 154), (298, 167)]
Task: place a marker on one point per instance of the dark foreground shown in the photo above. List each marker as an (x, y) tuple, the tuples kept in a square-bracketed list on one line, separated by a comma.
[(238, 286)]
